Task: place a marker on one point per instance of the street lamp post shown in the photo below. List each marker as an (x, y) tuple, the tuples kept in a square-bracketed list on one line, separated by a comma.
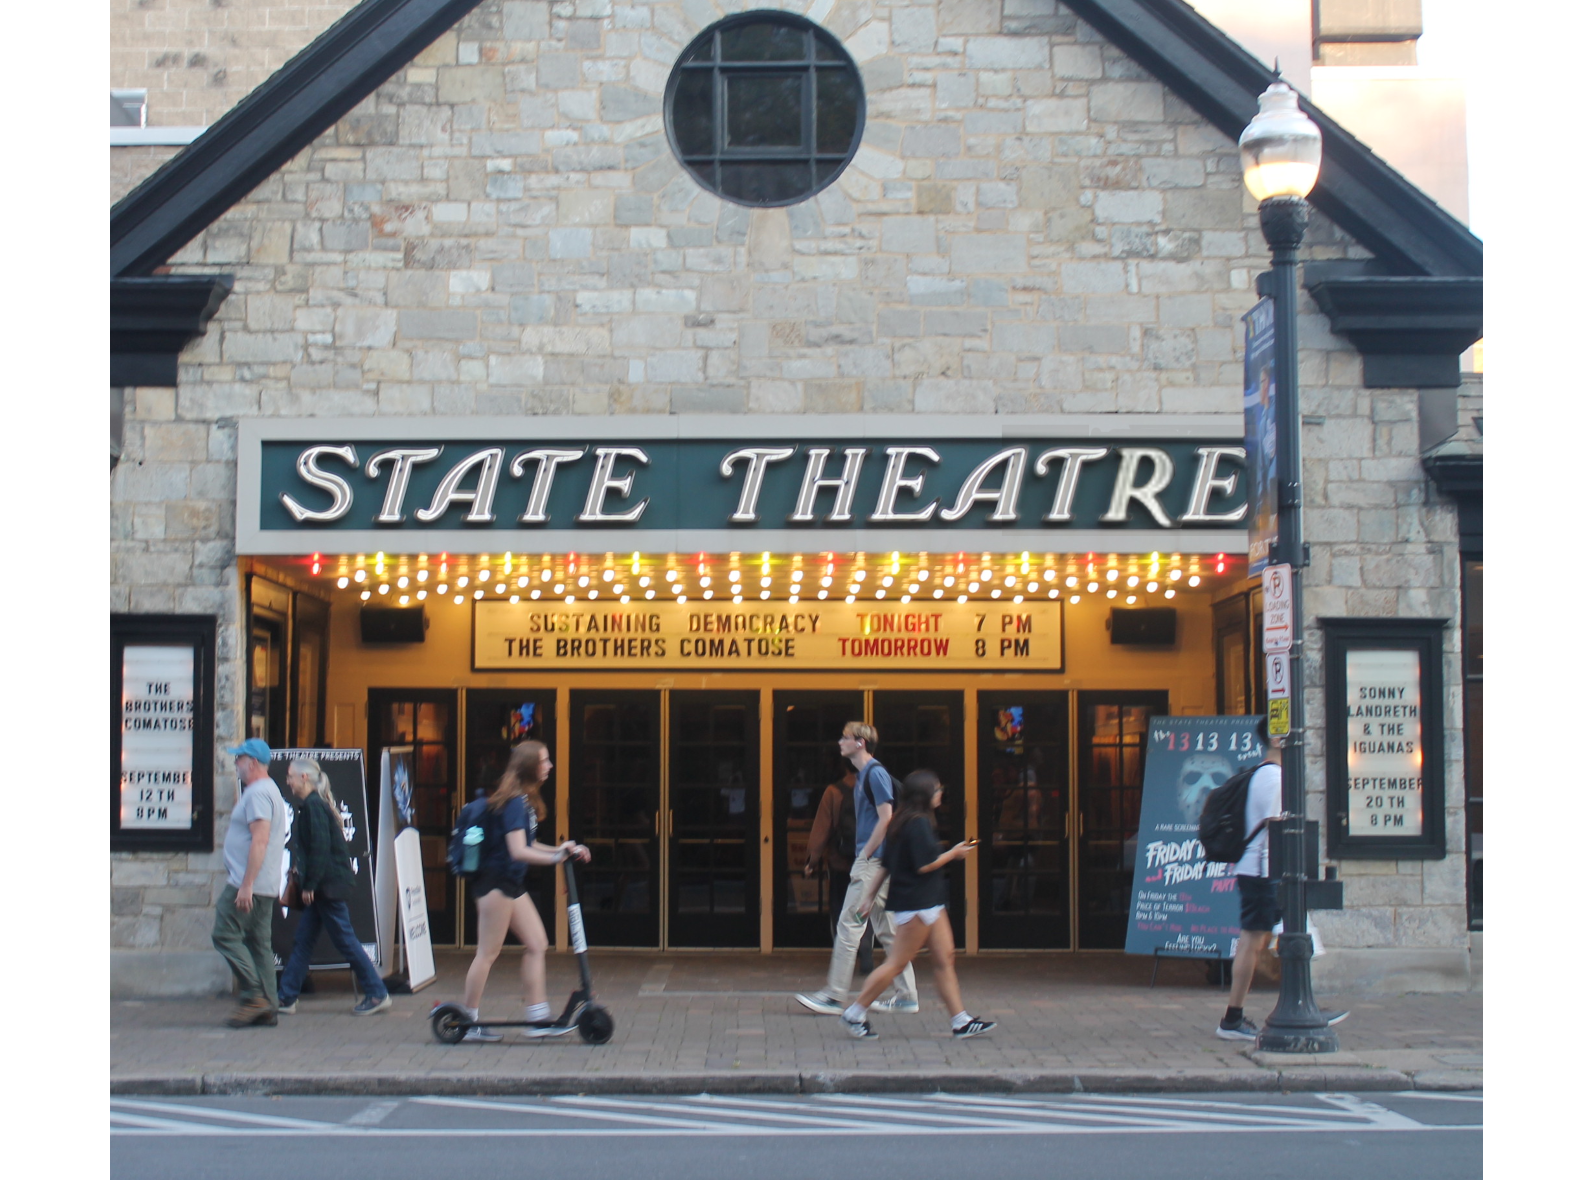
[(1281, 153)]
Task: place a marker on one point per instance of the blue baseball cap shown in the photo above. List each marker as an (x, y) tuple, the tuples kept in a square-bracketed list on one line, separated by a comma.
[(254, 748)]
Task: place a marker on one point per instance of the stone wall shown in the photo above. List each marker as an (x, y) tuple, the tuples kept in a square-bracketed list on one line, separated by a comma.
[(1032, 224)]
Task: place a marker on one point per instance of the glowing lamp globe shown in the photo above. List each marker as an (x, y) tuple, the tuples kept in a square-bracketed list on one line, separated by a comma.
[(1280, 149)]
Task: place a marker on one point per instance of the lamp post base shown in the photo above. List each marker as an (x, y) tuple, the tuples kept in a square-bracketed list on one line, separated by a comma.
[(1296, 1024)]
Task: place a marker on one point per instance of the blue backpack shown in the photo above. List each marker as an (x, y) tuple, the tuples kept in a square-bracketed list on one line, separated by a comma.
[(466, 844)]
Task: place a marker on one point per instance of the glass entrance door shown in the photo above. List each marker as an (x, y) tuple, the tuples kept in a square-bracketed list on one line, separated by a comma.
[(614, 803), (712, 819), (1024, 845), (495, 721), (428, 720), (807, 763), (924, 730), (1111, 759)]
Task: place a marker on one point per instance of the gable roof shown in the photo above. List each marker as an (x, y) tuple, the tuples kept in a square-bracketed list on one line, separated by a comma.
[(1409, 233), (1405, 229), (313, 91)]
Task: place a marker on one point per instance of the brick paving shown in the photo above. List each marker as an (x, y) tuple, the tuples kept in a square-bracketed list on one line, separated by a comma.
[(717, 1021)]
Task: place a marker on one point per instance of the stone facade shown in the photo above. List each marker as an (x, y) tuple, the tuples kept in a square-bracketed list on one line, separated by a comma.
[(1031, 225)]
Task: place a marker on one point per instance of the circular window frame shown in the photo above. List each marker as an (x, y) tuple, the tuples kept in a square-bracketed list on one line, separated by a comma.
[(817, 160)]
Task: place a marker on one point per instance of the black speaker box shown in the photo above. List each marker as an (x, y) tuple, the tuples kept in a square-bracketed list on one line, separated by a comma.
[(393, 624), (1149, 625)]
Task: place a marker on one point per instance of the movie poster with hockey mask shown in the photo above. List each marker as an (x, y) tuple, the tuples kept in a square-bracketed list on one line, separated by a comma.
[(1181, 904)]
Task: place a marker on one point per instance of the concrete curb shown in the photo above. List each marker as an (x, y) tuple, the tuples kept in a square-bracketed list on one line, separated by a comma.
[(1091, 1081)]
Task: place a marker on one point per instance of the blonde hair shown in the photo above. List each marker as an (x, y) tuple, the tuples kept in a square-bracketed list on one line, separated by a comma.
[(521, 777), (311, 770), (863, 731)]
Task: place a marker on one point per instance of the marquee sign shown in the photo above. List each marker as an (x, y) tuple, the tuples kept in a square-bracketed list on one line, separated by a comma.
[(761, 482), (759, 636)]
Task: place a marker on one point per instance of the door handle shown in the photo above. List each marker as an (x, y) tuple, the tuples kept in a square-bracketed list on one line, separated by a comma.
[(1081, 824)]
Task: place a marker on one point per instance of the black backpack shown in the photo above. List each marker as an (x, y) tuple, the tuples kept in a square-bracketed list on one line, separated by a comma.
[(465, 856), (1221, 828)]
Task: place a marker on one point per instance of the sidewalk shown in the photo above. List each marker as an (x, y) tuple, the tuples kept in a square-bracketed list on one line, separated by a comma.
[(723, 1022)]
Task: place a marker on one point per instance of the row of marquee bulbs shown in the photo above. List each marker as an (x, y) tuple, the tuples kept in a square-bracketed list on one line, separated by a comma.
[(1016, 581)]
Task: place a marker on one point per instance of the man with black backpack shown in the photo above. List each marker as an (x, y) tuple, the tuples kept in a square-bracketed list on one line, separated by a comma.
[(873, 797), (1259, 908)]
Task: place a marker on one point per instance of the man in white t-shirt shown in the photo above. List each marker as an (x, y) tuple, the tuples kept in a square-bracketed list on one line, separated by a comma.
[(253, 861), (1259, 908)]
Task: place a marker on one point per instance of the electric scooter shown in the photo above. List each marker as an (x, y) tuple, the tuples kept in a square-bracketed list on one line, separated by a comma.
[(449, 1022)]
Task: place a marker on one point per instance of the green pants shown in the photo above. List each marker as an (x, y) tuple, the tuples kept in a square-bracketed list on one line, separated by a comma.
[(246, 941)]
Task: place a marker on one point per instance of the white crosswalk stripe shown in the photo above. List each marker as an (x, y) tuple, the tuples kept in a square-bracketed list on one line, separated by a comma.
[(716, 1115)]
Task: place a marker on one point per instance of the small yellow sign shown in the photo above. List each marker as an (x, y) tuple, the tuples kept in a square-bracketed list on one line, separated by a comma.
[(1278, 718)]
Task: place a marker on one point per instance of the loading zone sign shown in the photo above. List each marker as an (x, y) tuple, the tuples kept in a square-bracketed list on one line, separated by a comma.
[(1277, 608)]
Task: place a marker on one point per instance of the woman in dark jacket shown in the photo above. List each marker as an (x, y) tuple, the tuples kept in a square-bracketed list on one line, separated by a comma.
[(318, 853), (916, 905)]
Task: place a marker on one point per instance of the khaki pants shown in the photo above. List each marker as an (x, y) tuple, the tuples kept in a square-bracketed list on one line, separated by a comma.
[(246, 941), (843, 954)]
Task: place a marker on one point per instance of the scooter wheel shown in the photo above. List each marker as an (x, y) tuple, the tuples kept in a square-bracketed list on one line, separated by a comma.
[(448, 1023), (595, 1024)]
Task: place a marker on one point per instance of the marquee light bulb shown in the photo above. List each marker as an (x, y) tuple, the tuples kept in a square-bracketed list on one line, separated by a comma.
[(1131, 581), (1071, 581), (671, 575), (1010, 579), (859, 576), (1092, 587), (644, 580), (949, 581), (1169, 593), (522, 582), (442, 587), (360, 575), (343, 582), (1113, 592), (404, 600), (382, 589), (1017, 598), (851, 598), (617, 587), (961, 598), (824, 593), (1151, 586), (649, 593), (906, 598), (606, 575), (623, 600), (1193, 580), (1055, 593), (797, 575), (764, 594), (568, 598), (923, 575), (938, 593), (887, 581), (483, 576), (737, 600), (364, 595), (994, 593), (1129, 599), (534, 594), (462, 582), (1113, 574), (792, 598), (1050, 575), (457, 599), (557, 589), (584, 580), (972, 587), (880, 593), (1075, 598), (734, 576), (765, 581), (546, 574), (420, 596), (912, 588), (709, 594), (1032, 587), (988, 575), (594, 594)]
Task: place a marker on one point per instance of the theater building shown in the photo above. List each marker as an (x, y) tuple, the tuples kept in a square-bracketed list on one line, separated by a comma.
[(675, 382)]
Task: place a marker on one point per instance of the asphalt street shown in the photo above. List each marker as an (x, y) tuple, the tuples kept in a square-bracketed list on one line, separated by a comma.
[(1293, 1136)]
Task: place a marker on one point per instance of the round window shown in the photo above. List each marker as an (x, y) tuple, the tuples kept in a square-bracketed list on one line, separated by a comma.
[(764, 108)]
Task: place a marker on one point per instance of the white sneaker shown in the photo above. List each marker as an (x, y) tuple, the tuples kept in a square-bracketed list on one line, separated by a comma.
[(820, 1004), (895, 1005), (479, 1034), (859, 1030)]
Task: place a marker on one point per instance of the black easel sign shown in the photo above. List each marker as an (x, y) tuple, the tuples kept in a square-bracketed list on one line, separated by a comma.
[(1182, 904)]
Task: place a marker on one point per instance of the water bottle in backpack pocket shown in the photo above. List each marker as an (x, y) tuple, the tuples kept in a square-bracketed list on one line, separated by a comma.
[(466, 843)]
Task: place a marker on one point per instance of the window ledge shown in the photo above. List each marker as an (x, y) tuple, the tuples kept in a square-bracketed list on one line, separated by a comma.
[(153, 136)]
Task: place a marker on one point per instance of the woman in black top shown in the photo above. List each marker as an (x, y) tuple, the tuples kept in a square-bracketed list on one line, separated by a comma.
[(319, 853), (916, 904)]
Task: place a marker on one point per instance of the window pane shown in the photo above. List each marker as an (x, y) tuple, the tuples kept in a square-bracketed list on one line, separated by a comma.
[(693, 113), (764, 112), (703, 50), (838, 110), (764, 184), (763, 42)]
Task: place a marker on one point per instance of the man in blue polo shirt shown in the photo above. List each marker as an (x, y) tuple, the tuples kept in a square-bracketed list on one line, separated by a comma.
[(873, 799)]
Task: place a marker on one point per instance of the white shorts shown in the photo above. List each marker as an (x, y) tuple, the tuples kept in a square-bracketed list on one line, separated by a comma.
[(928, 916)]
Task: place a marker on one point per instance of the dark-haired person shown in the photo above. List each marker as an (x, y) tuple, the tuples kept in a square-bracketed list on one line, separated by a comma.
[(514, 808), (1260, 910), (916, 905), (322, 857)]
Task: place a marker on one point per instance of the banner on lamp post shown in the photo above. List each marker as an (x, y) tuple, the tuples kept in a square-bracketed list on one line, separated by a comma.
[(1261, 435)]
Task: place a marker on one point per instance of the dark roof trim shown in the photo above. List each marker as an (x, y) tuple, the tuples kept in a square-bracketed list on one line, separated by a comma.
[(1455, 471), (152, 319), (1409, 329), (316, 88), (1403, 227)]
